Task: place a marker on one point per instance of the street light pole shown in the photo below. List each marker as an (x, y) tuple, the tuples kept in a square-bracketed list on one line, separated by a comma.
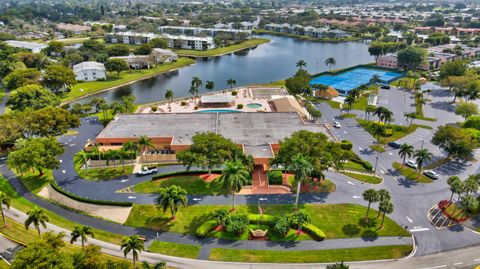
[(376, 163), (422, 144)]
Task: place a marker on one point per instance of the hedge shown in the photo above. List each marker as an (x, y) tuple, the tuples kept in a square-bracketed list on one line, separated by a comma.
[(275, 177), (206, 228), (314, 232), (179, 173), (88, 200), (262, 219), (346, 145)]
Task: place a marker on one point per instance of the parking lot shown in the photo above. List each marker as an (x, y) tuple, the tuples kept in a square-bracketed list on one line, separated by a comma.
[(350, 128), (452, 168)]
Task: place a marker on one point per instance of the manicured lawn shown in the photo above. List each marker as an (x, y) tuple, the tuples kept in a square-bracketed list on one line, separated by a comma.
[(311, 187), (223, 50), (311, 256), (353, 165), (410, 173), (4, 265), (397, 130), (84, 88), (192, 184), (378, 148), (24, 205), (404, 82), (175, 249), (360, 104), (364, 178), (336, 220), (34, 182), (97, 174), (74, 40)]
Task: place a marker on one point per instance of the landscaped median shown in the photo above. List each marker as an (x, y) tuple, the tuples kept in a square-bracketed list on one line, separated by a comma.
[(410, 173), (223, 50), (126, 77)]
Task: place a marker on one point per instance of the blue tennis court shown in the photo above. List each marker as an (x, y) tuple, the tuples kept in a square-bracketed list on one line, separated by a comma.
[(346, 81)]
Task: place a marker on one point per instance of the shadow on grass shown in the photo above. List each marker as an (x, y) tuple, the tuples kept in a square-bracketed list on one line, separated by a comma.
[(351, 230)]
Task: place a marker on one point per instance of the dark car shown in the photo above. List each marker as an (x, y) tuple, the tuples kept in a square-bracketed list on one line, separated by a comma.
[(394, 145), (384, 86)]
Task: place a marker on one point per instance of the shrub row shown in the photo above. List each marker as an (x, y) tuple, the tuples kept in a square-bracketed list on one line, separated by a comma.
[(346, 145), (180, 173), (262, 219), (206, 228), (354, 158), (314, 231), (88, 200)]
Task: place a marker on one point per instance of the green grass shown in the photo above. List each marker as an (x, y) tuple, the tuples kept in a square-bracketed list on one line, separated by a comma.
[(192, 184), (404, 82), (360, 104), (4, 265), (397, 130), (336, 220), (175, 249), (354, 165), (348, 115), (125, 77), (311, 256), (34, 182), (97, 174), (24, 205), (378, 148), (278, 83), (364, 178), (73, 40), (411, 174), (223, 50)]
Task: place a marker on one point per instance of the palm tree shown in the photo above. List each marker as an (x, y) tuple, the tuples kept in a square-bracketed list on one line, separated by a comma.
[(132, 147), (144, 143), (195, 86), (132, 244), (378, 130), (194, 92), (456, 186), (410, 117), (375, 79), (302, 169), (422, 156), (210, 85), (470, 185), (406, 151), (383, 195), (169, 96), (83, 157), (159, 265), (234, 176), (468, 203), (298, 219), (370, 196), (36, 217), (81, 232), (301, 64), (231, 82), (221, 216), (4, 201), (386, 207), (349, 101), (171, 197), (330, 61), (96, 150), (368, 110)]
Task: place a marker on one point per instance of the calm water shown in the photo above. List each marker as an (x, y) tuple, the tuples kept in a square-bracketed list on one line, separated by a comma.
[(266, 63)]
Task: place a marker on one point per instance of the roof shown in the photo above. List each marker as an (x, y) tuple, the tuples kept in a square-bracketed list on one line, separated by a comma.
[(163, 51), (288, 104), (250, 129), (88, 66), (192, 38), (25, 45), (217, 99)]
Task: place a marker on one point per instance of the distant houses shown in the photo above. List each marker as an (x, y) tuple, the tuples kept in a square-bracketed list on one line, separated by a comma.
[(31, 46), (196, 31), (310, 31), (89, 71), (157, 56)]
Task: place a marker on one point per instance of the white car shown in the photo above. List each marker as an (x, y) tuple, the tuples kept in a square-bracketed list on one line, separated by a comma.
[(147, 171), (431, 174), (411, 164), (336, 124)]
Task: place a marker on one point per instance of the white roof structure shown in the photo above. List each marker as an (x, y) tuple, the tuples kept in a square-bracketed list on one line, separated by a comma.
[(217, 99), (192, 38), (164, 51), (34, 47), (88, 66)]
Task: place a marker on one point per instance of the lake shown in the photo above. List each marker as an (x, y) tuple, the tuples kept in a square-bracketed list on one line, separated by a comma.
[(266, 63)]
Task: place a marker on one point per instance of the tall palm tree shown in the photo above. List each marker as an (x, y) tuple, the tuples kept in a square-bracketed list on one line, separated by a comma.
[(470, 185), (422, 156), (330, 61), (456, 186), (468, 203), (378, 130), (371, 196), (194, 92), (144, 143), (349, 101), (131, 147), (4, 201), (383, 195), (406, 151), (195, 86), (81, 232), (234, 176), (386, 207), (210, 85), (301, 64), (132, 244), (159, 265), (171, 197), (96, 150), (83, 157), (302, 169), (375, 79), (410, 117), (369, 109), (169, 96), (231, 82), (36, 217)]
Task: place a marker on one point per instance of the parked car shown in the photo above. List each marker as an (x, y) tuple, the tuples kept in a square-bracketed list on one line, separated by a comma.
[(385, 86), (431, 174), (336, 124), (394, 145), (147, 171), (411, 164)]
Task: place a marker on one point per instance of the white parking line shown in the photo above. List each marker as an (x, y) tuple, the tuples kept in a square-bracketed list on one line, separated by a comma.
[(457, 263), (409, 219), (419, 230), (351, 183), (434, 267)]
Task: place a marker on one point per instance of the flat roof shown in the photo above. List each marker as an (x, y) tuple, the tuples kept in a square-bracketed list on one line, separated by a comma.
[(255, 129), (25, 44), (217, 99)]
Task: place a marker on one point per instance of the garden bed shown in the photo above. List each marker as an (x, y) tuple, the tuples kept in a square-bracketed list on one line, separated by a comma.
[(411, 174)]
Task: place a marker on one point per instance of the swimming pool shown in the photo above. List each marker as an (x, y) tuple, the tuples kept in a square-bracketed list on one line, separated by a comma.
[(254, 105), (354, 78), (218, 111)]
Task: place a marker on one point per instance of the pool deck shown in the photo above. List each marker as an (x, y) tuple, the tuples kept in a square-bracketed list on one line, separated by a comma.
[(245, 95)]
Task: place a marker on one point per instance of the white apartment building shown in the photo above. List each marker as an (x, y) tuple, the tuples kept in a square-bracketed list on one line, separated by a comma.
[(89, 71), (189, 42)]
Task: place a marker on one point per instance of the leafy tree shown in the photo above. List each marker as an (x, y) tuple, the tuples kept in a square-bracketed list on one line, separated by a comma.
[(57, 77), (90, 257), (144, 49), (422, 156), (298, 219), (116, 65), (81, 232), (376, 49), (453, 68), (171, 197), (37, 218), (4, 201), (98, 103), (281, 225), (371, 196), (160, 265), (221, 216), (466, 110), (35, 153), (209, 85), (55, 48), (134, 245), (234, 177), (208, 150), (412, 57), (406, 151), (118, 50), (31, 96), (231, 82), (298, 82), (48, 121), (330, 62), (21, 77), (302, 169), (128, 103), (32, 60), (169, 96), (301, 64), (237, 224), (386, 207), (93, 46), (455, 184), (159, 43), (455, 141)]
